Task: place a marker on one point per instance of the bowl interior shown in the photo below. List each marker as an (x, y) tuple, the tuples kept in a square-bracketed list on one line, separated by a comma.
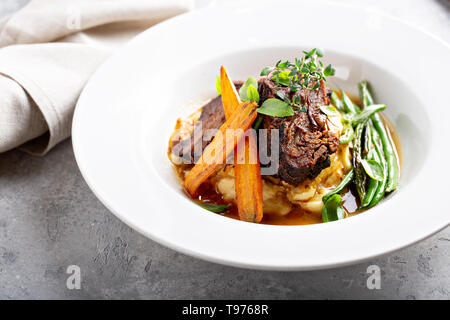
[(197, 85)]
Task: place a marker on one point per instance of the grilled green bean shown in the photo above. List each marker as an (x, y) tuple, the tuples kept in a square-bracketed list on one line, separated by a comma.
[(388, 149), (379, 194), (368, 141), (360, 174), (337, 102), (350, 107), (369, 155)]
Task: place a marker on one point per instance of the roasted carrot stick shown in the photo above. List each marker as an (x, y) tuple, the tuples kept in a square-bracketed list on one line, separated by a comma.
[(247, 179), (247, 170), (230, 97), (224, 142)]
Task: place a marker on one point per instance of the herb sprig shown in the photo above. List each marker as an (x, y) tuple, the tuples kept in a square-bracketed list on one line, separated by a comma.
[(298, 75)]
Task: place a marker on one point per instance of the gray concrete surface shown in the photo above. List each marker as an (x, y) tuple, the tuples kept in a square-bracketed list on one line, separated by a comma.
[(49, 219)]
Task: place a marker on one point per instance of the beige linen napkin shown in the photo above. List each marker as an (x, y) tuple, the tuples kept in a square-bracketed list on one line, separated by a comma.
[(49, 49)]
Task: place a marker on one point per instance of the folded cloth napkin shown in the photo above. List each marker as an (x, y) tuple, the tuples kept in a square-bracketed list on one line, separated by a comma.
[(49, 49)]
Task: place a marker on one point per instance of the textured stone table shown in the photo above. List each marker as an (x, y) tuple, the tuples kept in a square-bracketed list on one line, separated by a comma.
[(49, 219)]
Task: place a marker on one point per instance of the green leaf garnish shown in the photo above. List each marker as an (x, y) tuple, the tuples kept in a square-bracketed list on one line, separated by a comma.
[(373, 169), (319, 52), (329, 71), (252, 94), (244, 89), (217, 208), (276, 108), (218, 89), (282, 78), (332, 210), (281, 95), (310, 53), (265, 71)]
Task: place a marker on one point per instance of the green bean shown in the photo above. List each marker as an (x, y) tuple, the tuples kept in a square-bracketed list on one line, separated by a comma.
[(379, 194), (350, 107), (368, 141), (347, 135), (344, 182), (364, 94), (367, 113), (337, 102), (391, 157), (372, 188), (369, 155), (360, 174), (388, 148)]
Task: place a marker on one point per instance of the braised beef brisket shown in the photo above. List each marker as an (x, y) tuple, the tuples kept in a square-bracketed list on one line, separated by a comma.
[(305, 142), (211, 117)]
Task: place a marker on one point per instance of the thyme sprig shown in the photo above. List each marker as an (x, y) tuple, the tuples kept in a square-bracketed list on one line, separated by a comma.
[(295, 102), (299, 74)]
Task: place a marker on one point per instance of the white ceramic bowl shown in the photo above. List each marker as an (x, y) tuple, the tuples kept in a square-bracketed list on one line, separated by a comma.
[(128, 110)]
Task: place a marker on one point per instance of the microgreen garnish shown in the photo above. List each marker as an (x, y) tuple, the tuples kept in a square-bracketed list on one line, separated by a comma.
[(252, 94), (249, 90)]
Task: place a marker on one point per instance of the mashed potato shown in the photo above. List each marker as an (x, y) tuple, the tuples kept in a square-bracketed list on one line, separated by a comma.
[(309, 193), (274, 195), (279, 196)]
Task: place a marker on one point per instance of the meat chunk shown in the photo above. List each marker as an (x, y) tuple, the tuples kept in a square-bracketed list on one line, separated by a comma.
[(305, 143), (211, 118)]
